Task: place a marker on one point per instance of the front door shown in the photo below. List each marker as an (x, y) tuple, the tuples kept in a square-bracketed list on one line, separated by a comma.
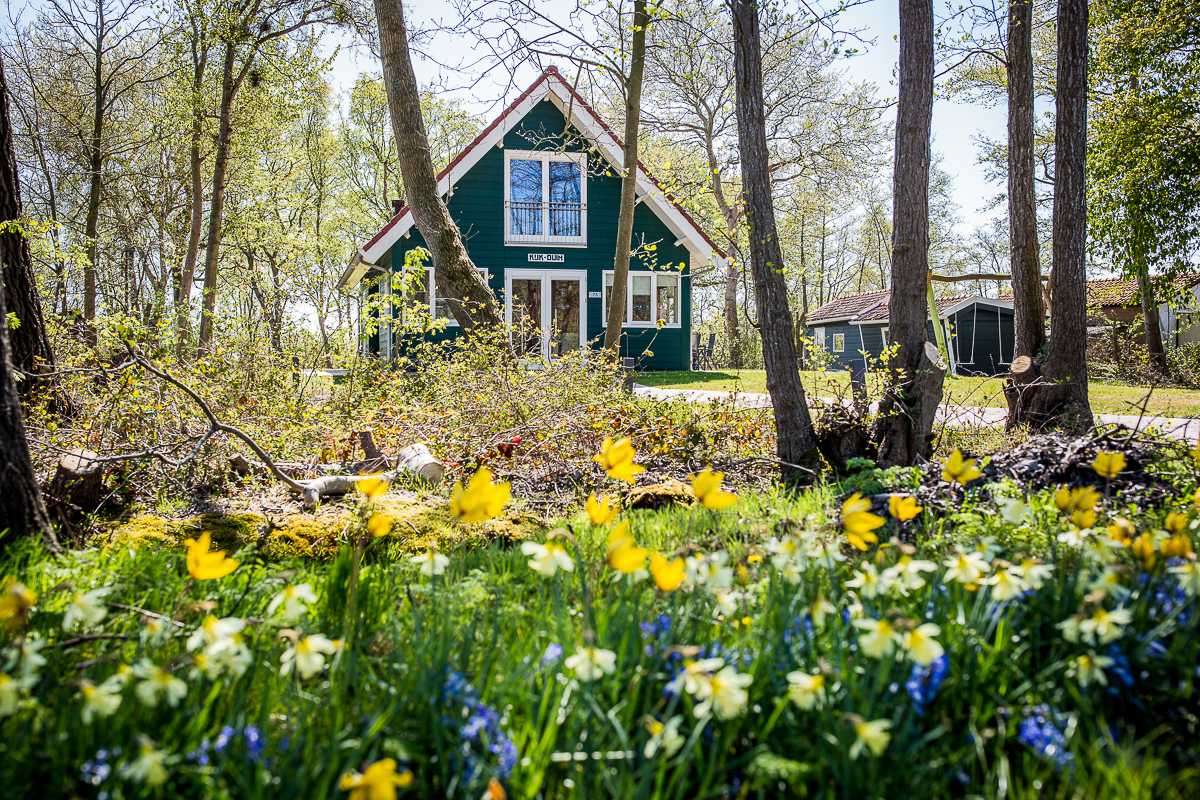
[(547, 311)]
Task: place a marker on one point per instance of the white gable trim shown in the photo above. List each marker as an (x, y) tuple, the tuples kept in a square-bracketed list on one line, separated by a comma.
[(583, 120), (981, 300)]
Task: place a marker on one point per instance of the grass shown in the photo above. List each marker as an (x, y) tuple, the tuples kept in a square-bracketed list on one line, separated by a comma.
[(474, 675), (1106, 398)]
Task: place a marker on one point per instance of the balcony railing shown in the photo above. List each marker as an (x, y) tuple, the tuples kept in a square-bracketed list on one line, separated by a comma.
[(544, 223)]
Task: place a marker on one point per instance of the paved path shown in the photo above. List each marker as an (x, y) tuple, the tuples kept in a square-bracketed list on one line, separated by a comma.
[(955, 416)]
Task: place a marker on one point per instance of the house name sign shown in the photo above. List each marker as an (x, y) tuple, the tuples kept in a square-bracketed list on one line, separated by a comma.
[(546, 258)]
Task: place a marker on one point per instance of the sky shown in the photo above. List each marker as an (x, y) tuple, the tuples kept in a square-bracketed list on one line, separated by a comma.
[(957, 124)]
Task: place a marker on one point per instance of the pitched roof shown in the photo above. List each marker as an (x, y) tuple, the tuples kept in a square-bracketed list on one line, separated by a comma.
[(944, 304), (1118, 292), (849, 306), (550, 85)]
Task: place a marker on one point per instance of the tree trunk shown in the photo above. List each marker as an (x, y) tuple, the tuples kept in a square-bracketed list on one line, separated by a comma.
[(793, 426), (229, 87), (455, 275), (22, 511), (187, 271), (1154, 340), (904, 426), (1029, 314), (1057, 391), (633, 118), (29, 347)]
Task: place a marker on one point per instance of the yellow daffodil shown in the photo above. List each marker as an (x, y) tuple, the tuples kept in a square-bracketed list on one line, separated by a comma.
[(1084, 519), (623, 555), (859, 523), (1122, 530), (16, 602), (956, 469), (1143, 550), (617, 459), (495, 791), (707, 488), (1083, 498), (378, 782), (204, 565), (372, 487), (600, 513), (1176, 523), (1109, 465), (1178, 546), (380, 525), (903, 508), (668, 575), (481, 500)]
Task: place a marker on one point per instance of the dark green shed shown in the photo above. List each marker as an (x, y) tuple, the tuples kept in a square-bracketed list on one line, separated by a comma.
[(979, 330), (537, 202)]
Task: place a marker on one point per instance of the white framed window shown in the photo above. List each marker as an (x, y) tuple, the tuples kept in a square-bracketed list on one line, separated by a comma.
[(439, 309), (819, 337), (649, 297), (545, 198), (885, 335), (839, 342)]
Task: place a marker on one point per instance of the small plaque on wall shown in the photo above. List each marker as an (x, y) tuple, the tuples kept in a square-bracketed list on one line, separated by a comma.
[(594, 295), (547, 258)]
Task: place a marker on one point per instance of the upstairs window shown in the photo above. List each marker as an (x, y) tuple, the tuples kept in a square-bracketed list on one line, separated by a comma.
[(545, 198), (439, 309), (652, 296)]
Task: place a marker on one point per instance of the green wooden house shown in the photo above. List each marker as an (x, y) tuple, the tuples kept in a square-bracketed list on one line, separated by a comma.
[(979, 330), (537, 200)]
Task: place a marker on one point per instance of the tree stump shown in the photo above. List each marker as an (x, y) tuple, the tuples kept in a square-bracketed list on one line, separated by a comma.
[(417, 460), (78, 483)]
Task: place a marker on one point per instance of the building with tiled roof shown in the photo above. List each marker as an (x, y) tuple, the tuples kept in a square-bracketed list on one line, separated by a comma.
[(979, 330)]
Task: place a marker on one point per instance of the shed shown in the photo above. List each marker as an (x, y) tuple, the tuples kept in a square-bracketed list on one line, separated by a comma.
[(536, 196), (979, 330)]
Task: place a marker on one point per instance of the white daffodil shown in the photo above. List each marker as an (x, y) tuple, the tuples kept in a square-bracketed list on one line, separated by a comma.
[(1104, 625), (1070, 629), (866, 580), (1089, 669), (879, 639), (1006, 583), (873, 735), (786, 552), (711, 570), (1076, 537), (696, 677), (909, 570), (30, 658), (1188, 577), (432, 562), (547, 559), (727, 602), (591, 663), (1109, 582), (157, 684), (98, 701), (966, 567), (820, 609), (1035, 574), (307, 656), (806, 690), (726, 694), (920, 644), (86, 607), (827, 552), (295, 601), (11, 690), (1013, 510), (150, 766), (664, 737), (214, 632)]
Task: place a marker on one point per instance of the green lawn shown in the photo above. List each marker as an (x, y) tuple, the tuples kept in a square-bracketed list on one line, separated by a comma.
[(1106, 398)]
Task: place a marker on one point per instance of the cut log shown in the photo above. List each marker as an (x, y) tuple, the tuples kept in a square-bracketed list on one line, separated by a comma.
[(414, 460), (78, 483)]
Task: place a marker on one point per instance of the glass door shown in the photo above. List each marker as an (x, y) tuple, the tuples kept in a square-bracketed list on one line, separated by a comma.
[(546, 309)]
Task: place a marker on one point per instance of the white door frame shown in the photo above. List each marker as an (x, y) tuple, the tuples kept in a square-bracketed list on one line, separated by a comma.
[(547, 275)]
